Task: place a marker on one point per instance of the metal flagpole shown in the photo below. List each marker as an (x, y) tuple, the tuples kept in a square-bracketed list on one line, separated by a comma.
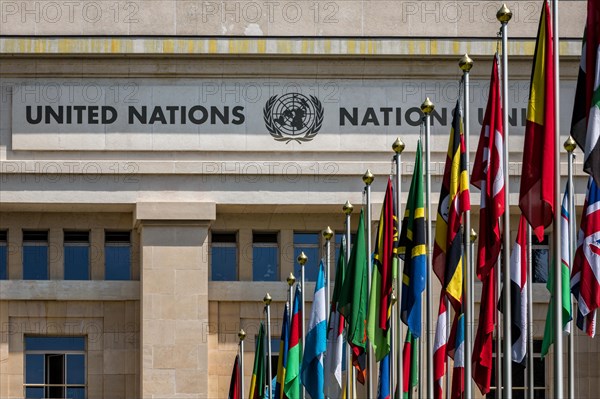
[(241, 336), (371, 363), (427, 108), (465, 65), (350, 372), (570, 147), (267, 301), (302, 258), (558, 344), (498, 342), (504, 15), (530, 374), (398, 148), (473, 237), (290, 280), (393, 344), (327, 234)]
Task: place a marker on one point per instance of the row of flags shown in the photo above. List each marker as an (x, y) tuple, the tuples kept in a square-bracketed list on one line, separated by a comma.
[(360, 315)]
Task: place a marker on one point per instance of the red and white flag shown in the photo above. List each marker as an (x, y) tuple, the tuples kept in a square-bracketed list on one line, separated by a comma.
[(440, 348)]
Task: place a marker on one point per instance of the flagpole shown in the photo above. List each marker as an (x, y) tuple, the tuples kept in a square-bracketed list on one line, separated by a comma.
[(327, 234), (350, 373), (558, 348), (302, 258), (371, 385), (241, 336), (393, 345), (267, 301), (530, 373), (504, 15), (465, 65), (290, 281), (398, 148), (570, 145), (427, 107)]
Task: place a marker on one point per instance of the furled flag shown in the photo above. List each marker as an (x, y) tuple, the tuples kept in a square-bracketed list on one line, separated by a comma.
[(312, 374), (257, 382), (353, 301), (565, 253), (518, 294), (412, 250), (458, 375), (383, 387), (410, 362), (284, 345), (292, 388), (488, 176), (536, 196), (586, 267), (335, 331), (440, 348), (382, 274), (454, 201), (585, 125), (234, 385)]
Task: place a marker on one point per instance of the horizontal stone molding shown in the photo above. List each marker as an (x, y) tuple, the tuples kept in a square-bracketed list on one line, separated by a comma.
[(62, 290)]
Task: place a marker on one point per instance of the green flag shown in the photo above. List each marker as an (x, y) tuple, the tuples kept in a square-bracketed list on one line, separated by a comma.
[(353, 300), (257, 383)]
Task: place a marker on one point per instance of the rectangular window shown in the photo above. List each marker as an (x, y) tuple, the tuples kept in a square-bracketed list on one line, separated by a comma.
[(309, 244), (77, 255), (35, 255), (540, 259), (265, 257), (3, 254), (519, 376), (223, 257), (55, 367), (117, 255)]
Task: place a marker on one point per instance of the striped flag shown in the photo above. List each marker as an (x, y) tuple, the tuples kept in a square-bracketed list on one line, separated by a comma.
[(454, 201), (382, 276), (518, 293), (565, 277), (383, 387), (488, 176), (257, 382), (316, 341), (412, 250), (410, 362), (458, 375), (234, 386), (585, 125), (353, 301), (284, 345), (335, 331), (440, 348), (536, 195), (292, 388), (586, 267)]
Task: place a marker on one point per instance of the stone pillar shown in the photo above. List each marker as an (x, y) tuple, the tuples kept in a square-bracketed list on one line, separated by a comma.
[(174, 298)]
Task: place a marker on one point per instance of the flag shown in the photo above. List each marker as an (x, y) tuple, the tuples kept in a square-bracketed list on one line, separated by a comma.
[(488, 176), (383, 387), (586, 267), (412, 250), (234, 385), (353, 301), (454, 201), (316, 341), (410, 362), (292, 387), (536, 196), (284, 344), (257, 382), (458, 375), (440, 348), (565, 278), (585, 124), (335, 338), (380, 305)]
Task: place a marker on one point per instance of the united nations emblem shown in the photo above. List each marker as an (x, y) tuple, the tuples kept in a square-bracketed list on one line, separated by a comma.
[(293, 117)]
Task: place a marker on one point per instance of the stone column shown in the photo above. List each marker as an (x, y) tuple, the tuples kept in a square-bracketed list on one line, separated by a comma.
[(174, 298)]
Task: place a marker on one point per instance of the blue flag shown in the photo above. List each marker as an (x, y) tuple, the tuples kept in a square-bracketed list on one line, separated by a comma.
[(383, 390), (312, 374)]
